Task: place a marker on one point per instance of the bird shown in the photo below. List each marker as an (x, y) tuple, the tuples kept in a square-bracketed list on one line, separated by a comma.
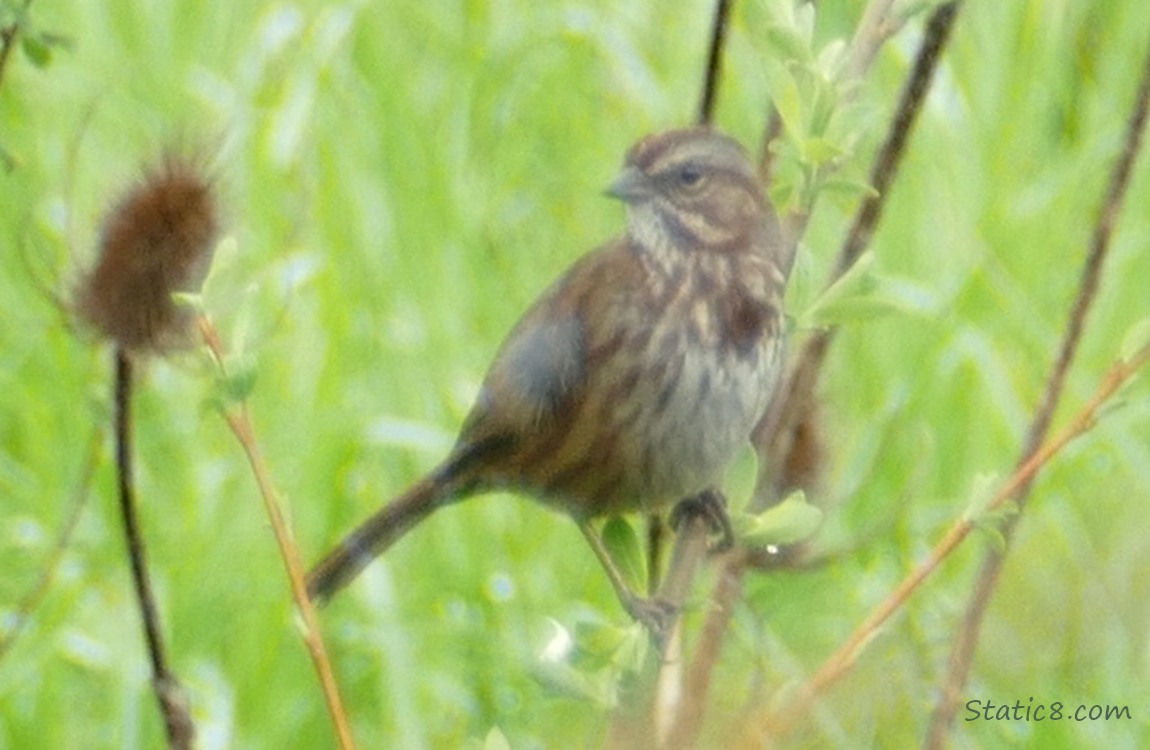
[(636, 377)]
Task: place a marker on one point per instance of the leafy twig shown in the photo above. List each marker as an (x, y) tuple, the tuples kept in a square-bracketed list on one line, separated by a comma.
[(796, 398), (876, 26), (764, 726), (962, 651), (239, 421)]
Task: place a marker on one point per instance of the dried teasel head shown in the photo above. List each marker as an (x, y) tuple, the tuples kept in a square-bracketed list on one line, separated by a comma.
[(157, 240)]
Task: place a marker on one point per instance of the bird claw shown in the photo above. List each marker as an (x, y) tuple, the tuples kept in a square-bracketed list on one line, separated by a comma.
[(712, 507), (656, 615)]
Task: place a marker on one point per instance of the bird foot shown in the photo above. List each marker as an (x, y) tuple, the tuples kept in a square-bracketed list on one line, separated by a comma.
[(656, 615), (711, 506)]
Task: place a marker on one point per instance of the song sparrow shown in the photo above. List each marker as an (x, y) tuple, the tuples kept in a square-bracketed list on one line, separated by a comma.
[(635, 378)]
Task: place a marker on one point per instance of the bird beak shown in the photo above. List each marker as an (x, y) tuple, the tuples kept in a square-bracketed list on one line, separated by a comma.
[(630, 186)]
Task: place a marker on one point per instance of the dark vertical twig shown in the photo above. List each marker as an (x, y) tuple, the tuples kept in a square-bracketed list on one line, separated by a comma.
[(714, 61), (169, 691), (966, 641)]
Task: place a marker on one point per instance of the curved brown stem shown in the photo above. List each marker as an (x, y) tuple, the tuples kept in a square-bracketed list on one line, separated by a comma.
[(239, 422), (966, 641), (764, 726)]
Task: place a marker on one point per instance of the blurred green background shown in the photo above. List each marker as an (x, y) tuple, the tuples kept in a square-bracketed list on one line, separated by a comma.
[(400, 180)]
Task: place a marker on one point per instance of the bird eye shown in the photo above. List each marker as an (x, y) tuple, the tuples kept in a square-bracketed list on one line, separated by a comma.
[(690, 175)]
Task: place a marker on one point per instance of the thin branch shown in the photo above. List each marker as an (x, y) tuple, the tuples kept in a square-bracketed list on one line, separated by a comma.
[(28, 604), (763, 727), (966, 641), (239, 421), (714, 61), (652, 724), (697, 682), (165, 683), (687, 557), (876, 25)]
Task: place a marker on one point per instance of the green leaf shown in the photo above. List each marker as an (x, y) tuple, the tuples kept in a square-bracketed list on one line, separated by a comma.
[(600, 644), (819, 151), (593, 687), (788, 43), (792, 520), (832, 59), (851, 188), (977, 511), (626, 551), (824, 101), (589, 662), (223, 258), (858, 309), (990, 524), (496, 740), (805, 22), (36, 50), (1136, 339), (193, 300), (981, 493), (786, 97), (742, 476), (861, 295), (842, 300), (233, 388), (239, 384)]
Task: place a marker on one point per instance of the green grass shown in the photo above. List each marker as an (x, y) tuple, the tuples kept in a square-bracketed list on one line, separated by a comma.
[(401, 180)]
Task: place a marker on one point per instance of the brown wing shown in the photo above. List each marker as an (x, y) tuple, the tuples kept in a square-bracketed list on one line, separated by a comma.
[(538, 378)]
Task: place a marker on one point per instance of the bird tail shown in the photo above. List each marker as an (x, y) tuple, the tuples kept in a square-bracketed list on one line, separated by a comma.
[(372, 538)]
